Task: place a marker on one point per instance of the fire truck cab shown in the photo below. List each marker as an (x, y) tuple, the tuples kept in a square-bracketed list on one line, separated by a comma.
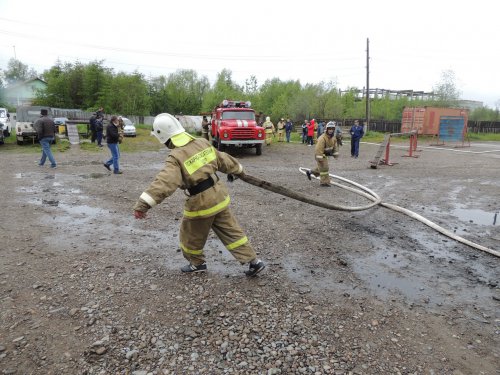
[(233, 124)]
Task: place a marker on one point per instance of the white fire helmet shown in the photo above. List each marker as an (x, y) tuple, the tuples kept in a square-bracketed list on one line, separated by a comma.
[(331, 124), (165, 126)]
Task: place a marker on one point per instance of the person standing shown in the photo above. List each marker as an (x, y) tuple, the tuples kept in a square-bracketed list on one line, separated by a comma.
[(204, 128), (100, 112), (281, 129), (99, 129), (269, 129), (288, 129), (93, 134), (310, 133), (321, 127), (192, 165), (112, 139), (325, 147), (304, 131), (357, 133), (46, 128)]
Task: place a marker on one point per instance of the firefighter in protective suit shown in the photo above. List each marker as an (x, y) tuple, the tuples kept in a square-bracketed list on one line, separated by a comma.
[(269, 129), (192, 165), (326, 146)]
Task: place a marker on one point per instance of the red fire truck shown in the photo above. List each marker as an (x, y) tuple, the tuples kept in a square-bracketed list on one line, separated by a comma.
[(233, 124)]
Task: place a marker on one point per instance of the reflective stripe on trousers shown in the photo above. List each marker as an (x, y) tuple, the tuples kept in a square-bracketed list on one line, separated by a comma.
[(194, 234)]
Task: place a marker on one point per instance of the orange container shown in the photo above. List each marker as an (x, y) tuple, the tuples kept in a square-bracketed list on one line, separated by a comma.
[(426, 119)]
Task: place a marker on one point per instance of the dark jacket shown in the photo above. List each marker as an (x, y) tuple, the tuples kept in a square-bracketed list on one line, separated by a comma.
[(92, 122), (112, 135), (99, 127), (45, 127)]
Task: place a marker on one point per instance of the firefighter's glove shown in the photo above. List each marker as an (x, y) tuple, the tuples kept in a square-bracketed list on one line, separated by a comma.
[(231, 177), (140, 209), (140, 214), (335, 155)]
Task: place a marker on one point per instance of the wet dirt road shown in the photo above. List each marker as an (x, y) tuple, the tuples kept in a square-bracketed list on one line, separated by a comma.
[(64, 232)]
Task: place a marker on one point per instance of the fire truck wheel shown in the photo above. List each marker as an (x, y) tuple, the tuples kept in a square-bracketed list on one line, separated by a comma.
[(258, 149)]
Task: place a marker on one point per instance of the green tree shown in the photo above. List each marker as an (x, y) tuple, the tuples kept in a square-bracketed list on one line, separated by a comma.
[(127, 94), (158, 95), (57, 93), (17, 71), (334, 106), (184, 92), (96, 77), (446, 89), (224, 88), (251, 86)]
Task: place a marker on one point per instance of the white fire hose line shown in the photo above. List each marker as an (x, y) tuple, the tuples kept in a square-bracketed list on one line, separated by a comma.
[(376, 200)]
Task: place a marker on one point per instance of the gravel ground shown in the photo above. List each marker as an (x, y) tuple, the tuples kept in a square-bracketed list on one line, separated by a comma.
[(86, 289)]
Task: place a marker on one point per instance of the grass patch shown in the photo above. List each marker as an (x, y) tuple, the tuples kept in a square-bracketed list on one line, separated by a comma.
[(32, 148), (484, 137)]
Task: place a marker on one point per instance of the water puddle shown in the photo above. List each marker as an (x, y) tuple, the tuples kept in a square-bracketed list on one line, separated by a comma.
[(388, 274), (94, 175), (71, 213), (476, 216)]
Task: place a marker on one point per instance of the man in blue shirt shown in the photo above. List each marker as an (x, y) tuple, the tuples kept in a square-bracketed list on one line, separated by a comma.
[(356, 134), (288, 129)]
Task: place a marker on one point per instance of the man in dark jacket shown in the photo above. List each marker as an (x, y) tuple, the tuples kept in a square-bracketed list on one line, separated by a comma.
[(93, 134), (99, 128), (45, 129), (112, 139)]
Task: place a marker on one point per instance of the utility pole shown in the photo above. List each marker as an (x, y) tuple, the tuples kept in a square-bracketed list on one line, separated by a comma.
[(15, 56), (367, 84)]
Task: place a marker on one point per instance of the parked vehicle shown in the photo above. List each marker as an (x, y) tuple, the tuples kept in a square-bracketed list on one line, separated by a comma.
[(129, 128), (5, 122), (233, 124), (26, 118)]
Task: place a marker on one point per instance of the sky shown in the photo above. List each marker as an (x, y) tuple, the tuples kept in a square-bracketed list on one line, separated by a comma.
[(411, 44)]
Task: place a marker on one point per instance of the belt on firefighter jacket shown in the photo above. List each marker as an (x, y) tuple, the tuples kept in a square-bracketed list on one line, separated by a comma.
[(203, 185)]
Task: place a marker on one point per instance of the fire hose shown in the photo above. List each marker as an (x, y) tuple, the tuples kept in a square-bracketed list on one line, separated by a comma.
[(360, 190)]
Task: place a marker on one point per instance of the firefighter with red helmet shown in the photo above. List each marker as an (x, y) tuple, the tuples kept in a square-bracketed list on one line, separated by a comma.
[(192, 165), (326, 146)]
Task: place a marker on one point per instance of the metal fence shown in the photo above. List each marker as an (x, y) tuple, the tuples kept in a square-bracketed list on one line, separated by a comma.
[(483, 126), (472, 126)]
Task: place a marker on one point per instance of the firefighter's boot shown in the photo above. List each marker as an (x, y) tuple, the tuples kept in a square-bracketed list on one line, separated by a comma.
[(308, 174), (255, 267), (194, 269)]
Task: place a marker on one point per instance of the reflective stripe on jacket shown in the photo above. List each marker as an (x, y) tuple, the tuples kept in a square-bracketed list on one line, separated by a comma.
[(268, 126), (187, 166)]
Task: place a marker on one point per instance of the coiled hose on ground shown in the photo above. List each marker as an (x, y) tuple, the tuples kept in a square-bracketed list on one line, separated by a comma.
[(363, 191)]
